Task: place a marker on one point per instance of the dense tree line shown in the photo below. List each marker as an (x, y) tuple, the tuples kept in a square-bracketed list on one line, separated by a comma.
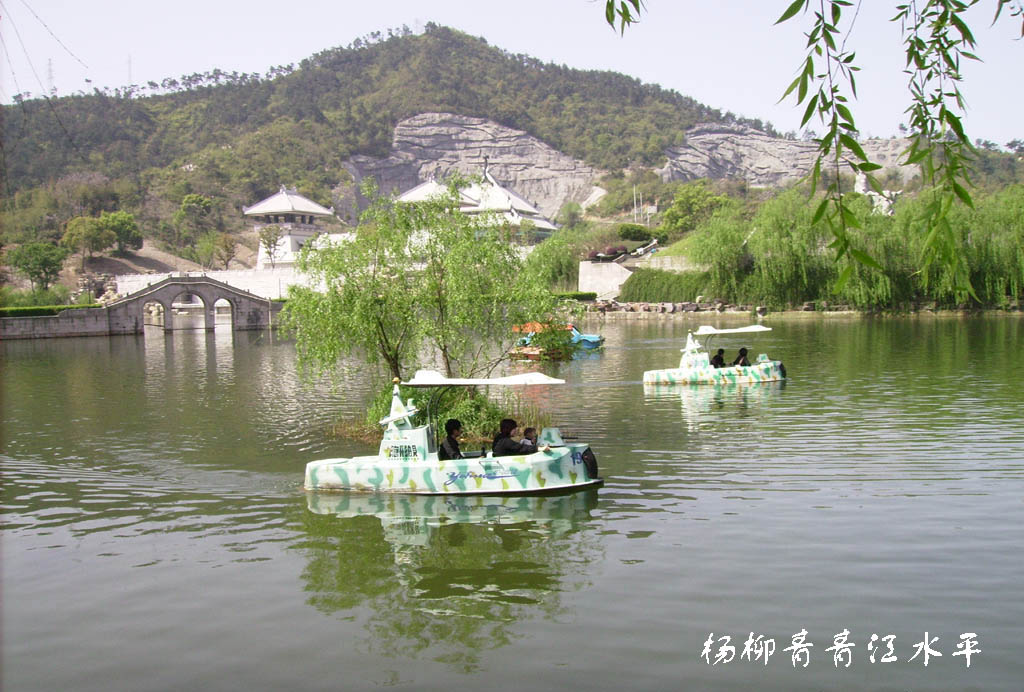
[(772, 254)]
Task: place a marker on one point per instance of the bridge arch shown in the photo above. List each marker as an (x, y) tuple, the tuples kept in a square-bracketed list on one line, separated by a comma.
[(248, 311)]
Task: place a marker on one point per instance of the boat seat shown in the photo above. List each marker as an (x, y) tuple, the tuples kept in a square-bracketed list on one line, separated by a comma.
[(550, 436)]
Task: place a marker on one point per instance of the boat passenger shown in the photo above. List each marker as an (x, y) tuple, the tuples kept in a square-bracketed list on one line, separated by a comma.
[(450, 447), (504, 445), (718, 360), (741, 359), (530, 438)]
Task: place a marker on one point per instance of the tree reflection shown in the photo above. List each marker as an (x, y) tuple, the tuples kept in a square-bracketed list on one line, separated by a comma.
[(447, 576)]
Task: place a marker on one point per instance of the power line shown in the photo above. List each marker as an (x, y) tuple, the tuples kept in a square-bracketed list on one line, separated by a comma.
[(38, 19)]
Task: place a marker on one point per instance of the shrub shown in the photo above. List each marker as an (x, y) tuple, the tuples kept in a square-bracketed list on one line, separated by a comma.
[(634, 231), (659, 286)]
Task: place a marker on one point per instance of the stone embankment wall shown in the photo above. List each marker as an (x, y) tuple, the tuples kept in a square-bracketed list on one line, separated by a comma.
[(76, 322)]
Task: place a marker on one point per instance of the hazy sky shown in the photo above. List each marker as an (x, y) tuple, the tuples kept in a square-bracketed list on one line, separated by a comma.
[(723, 53)]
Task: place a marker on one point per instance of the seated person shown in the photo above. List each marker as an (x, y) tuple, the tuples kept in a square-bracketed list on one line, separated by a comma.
[(718, 360), (741, 359), (450, 446), (504, 445), (530, 438)]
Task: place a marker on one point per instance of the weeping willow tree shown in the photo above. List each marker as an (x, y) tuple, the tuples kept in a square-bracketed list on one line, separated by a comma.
[(777, 256), (417, 282), (937, 41)]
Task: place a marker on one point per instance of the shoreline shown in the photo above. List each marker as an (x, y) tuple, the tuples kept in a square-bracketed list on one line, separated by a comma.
[(646, 311)]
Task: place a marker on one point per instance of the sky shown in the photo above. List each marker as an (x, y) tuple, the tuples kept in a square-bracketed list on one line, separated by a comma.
[(725, 54)]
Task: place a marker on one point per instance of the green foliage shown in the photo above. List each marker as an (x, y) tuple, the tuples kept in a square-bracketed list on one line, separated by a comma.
[(570, 215), (577, 295), (555, 343), (205, 250), (659, 286), (125, 229), (87, 235), (225, 249), (789, 265), (40, 263), (641, 187), (693, 203), (721, 246), (270, 236), (634, 231), (479, 413), (416, 275), (252, 132), (780, 258), (42, 309), (555, 263), (194, 219)]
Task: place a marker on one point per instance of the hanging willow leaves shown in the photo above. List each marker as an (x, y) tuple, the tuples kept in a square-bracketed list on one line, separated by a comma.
[(936, 40)]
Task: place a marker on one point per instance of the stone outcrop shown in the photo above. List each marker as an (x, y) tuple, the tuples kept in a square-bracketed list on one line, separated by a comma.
[(742, 153), (434, 145)]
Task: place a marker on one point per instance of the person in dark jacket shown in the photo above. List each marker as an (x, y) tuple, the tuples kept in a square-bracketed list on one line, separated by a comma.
[(741, 359), (504, 444), (718, 360), (450, 447)]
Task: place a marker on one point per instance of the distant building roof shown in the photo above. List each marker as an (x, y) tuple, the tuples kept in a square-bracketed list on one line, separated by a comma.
[(485, 196), (287, 202)]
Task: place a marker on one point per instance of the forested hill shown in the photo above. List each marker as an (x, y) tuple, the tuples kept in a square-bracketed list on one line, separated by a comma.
[(242, 135)]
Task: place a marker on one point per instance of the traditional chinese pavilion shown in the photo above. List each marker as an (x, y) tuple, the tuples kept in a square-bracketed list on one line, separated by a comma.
[(296, 215), (489, 196)]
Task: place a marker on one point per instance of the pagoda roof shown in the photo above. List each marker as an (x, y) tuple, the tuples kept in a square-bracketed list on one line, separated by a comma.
[(287, 202), (485, 196)]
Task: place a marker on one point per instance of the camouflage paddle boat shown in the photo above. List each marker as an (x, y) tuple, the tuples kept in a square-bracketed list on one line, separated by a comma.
[(408, 462), (695, 366)]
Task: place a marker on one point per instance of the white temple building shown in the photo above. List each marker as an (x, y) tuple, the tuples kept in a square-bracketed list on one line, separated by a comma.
[(296, 215), (489, 196)]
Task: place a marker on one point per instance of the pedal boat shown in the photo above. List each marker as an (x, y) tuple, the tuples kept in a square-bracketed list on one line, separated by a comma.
[(524, 350), (407, 461), (695, 365)]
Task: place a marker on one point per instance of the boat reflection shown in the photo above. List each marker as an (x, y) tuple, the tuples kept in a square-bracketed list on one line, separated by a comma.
[(453, 576), (411, 519), (700, 400)]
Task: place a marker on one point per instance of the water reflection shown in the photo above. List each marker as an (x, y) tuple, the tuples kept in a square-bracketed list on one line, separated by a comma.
[(464, 569), (699, 401)]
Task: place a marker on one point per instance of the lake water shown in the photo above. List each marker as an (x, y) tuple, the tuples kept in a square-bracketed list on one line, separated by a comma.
[(156, 535)]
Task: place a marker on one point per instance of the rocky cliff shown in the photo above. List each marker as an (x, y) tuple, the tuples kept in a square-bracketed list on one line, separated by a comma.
[(725, 151), (434, 145), (437, 144)]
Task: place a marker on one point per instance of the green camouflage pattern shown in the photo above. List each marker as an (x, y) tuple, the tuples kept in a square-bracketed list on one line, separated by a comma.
[(407, 462), (695, 368), (558, 468)]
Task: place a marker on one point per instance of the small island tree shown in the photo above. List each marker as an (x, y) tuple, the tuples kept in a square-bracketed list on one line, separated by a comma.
[(416, 276)]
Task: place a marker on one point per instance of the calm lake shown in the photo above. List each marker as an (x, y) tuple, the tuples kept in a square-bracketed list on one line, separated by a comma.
[(156, 535)]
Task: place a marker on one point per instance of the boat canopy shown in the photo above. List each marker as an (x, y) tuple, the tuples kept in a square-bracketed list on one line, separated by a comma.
[(432, 378), (705, 330)]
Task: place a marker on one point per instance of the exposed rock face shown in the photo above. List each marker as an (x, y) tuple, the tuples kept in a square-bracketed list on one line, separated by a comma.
[(438, 144), (742, 153)]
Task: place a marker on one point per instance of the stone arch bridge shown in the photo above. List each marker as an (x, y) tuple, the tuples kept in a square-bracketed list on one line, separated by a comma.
[(248, 311)]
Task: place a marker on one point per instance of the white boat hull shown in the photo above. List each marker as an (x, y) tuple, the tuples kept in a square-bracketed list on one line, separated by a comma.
[(561, 469)]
